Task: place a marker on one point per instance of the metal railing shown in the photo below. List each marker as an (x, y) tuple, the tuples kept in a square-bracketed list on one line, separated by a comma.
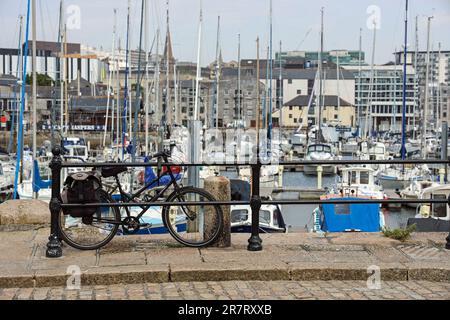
[(254, 242)]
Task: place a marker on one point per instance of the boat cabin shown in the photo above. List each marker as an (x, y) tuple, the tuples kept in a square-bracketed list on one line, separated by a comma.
[(319, 148), (433, 217)]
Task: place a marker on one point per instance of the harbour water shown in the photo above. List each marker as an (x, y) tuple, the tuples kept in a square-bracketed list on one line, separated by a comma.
[(299, 217)]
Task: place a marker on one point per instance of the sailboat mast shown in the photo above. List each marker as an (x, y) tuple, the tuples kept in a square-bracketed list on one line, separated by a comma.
[(394, 111), (425, 108), (19, 152), (197, 78), (215, 111), (280, 90), (269, 116), (359, 82), (168, 108), (258, 99), (66, 75), (337, 86), (416, 49), (147, 93), (124, 116), (61, 65), (112, 75), (405, 52), (368, 125), (109, 84), (118, 132), (238, 116), (159, 113), (319, 131), (439, 106), (33, 65), (138, 87)]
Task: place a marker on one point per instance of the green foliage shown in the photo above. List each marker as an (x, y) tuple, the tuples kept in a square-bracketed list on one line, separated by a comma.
[(399, 234), (42, 79)]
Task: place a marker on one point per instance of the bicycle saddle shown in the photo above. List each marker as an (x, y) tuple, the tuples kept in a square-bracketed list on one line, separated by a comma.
[(112, 171)]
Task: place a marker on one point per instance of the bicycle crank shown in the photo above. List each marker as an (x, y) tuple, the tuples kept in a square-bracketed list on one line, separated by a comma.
[(130, 225)]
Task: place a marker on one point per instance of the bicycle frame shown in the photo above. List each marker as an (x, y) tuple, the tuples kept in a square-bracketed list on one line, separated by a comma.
[(128, 198)]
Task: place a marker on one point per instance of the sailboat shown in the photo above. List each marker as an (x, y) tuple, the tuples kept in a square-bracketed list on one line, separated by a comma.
[(317, 149)]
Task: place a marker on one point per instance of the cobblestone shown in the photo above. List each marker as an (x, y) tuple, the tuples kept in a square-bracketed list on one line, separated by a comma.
[(279, 290)]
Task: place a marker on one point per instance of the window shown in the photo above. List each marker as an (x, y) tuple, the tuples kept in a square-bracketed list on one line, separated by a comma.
[(290, 116), (335, 116), (239, 215), (290, 108), (290, 81), (226, 101), (264, 216), (295, 120), (299, 91), (439, 209), (341, 208)]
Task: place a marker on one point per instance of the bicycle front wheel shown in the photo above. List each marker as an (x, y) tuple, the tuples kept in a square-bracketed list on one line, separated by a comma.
[(193, 225), (91, 232)]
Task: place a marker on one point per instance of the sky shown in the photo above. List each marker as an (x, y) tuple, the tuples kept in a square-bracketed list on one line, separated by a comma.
[(296, 23)]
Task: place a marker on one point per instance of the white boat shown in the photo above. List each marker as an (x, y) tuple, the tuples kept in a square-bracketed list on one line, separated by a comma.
[(373, 151), (268, 174), (433, 217), (270, 219), (358, 181), (398, 179), (412, 192), (319, 152)]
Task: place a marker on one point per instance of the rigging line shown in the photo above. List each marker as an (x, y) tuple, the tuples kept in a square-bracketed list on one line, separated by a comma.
[(397, 22), (304, 38), (41, 17), (53, 34)]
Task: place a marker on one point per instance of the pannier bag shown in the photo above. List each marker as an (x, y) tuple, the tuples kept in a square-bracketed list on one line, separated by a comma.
[(81, 188)]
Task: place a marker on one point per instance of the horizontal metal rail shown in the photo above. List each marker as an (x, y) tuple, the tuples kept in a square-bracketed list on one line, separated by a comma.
[(267, 202), (240, 164)]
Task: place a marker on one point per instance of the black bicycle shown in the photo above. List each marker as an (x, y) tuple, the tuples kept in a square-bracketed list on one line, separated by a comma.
[(194, 225)]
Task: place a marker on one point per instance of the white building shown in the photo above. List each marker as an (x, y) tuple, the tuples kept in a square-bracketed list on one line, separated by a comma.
[(384, 97)]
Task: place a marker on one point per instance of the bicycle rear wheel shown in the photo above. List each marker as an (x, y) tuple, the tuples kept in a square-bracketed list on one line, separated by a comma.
[(193, 225), (91, 233)]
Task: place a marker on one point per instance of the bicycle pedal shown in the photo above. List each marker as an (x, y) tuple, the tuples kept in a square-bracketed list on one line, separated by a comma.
[(145, 225)]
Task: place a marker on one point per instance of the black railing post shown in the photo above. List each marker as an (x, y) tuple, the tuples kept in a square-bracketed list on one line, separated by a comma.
[(255, 242), (54, 244), (447, 244)]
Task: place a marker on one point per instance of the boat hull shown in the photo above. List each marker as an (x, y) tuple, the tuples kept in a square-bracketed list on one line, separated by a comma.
[(312, 170), (392, 183)]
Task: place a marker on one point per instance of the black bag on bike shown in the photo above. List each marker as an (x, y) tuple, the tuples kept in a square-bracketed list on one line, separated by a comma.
[(81, 188)]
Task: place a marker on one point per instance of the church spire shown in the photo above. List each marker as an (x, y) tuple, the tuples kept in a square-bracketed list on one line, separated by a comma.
[(168, 53)]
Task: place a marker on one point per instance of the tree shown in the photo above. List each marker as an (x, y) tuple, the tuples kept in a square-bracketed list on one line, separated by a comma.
[(42, 79)]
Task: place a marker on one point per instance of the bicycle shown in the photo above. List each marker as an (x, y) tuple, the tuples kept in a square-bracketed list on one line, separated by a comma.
[(191, 225)]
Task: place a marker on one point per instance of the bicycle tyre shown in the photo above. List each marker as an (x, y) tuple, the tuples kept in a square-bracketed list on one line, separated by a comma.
[(105, 197), (209, 197)]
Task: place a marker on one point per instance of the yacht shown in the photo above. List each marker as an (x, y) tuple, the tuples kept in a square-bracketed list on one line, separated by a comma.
[(414, 190), (270, 219), (433, 217), (319, 152), (398, 179)]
